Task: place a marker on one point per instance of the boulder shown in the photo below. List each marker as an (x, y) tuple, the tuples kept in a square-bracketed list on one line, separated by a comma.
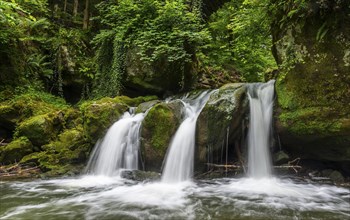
[(41, 129), (312, 45), (15, 151), (60, 156), (220, 120), (280, 157), (99, 115), (158, 127)]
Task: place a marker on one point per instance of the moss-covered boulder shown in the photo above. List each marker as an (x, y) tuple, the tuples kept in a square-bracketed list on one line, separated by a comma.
[(41, 129), (312, 45), (99, 115), (220, 121), (63, 155), (158, 127), (15, 151), (24, 106)]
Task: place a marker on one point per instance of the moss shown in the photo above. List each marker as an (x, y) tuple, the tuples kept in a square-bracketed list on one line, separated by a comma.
[(161, 123), (100, 114), (15, 151), (62, 155), (158, 127), (40, 129), (312, 120), (37, 103)]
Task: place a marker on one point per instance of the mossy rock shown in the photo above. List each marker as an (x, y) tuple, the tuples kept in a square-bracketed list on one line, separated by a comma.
[(158, 127), (15, 151), (99, 115), (313, 86), (60, 156), (221, 118), (41, 129)]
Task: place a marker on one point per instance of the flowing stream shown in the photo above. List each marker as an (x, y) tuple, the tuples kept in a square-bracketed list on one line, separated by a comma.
[(103, 194), (119, 148), (180, 157), (261, 108)]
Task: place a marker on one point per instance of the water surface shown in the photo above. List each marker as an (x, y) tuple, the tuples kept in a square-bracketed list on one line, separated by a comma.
[(100, 197)]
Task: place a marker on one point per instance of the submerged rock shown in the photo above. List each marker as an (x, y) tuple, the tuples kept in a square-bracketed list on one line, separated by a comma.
[(139, 175)]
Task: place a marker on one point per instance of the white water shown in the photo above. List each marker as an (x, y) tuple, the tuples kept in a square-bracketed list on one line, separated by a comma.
[(261, 109), (117, 198), (180, 157), (119, 148)]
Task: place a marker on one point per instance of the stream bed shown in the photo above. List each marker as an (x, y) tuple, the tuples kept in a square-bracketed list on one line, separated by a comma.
[(100, 197)]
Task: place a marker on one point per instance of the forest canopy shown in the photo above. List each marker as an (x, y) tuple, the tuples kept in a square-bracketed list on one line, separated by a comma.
[(79, 49)]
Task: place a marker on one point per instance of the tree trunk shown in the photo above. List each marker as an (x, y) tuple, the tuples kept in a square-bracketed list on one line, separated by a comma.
[(75, 8), (65, 6), (86, 15)]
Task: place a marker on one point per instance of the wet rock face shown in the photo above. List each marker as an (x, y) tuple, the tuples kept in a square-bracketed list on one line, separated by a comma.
[(313, 92), (221, 118)]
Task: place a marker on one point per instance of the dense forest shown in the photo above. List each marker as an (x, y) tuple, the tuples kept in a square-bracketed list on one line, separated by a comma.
[(69, 69)]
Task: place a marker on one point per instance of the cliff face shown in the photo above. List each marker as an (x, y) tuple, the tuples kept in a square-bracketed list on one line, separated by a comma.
[(312, 46)]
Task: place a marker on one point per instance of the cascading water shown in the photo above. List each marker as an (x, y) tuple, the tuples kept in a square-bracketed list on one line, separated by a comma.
[(119, 148), (261, 108), (180, 157)]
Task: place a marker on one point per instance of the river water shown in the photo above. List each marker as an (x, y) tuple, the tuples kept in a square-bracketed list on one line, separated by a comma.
[(101, 197)]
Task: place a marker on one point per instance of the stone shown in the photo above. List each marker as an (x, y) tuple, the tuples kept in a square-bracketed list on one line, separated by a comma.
[(222, 117), (15, 151), (280, 157), (158, 127), (313, 84)]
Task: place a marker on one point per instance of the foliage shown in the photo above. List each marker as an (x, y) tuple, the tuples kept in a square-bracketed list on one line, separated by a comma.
[(241, 37), (156, 28)]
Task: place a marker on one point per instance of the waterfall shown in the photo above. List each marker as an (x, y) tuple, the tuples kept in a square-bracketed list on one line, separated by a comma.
[(119, 148), (180, 156), (261, 108)]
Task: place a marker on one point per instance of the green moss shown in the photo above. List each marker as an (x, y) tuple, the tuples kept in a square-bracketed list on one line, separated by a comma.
[(40, 129), (100, 114), (61, 156), (15, 151), (97, 117), (36, 103), (161, 123), (312, 120)]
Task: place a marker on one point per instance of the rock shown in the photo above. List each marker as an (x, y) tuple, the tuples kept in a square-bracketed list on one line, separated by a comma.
[(221, 117), (313, 88), (160, 77), (158, 127), (63, 155), (139, 175), (15, 151), (40, 129), (99, 115), (334, 175), (280, 157), (143, 107)]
